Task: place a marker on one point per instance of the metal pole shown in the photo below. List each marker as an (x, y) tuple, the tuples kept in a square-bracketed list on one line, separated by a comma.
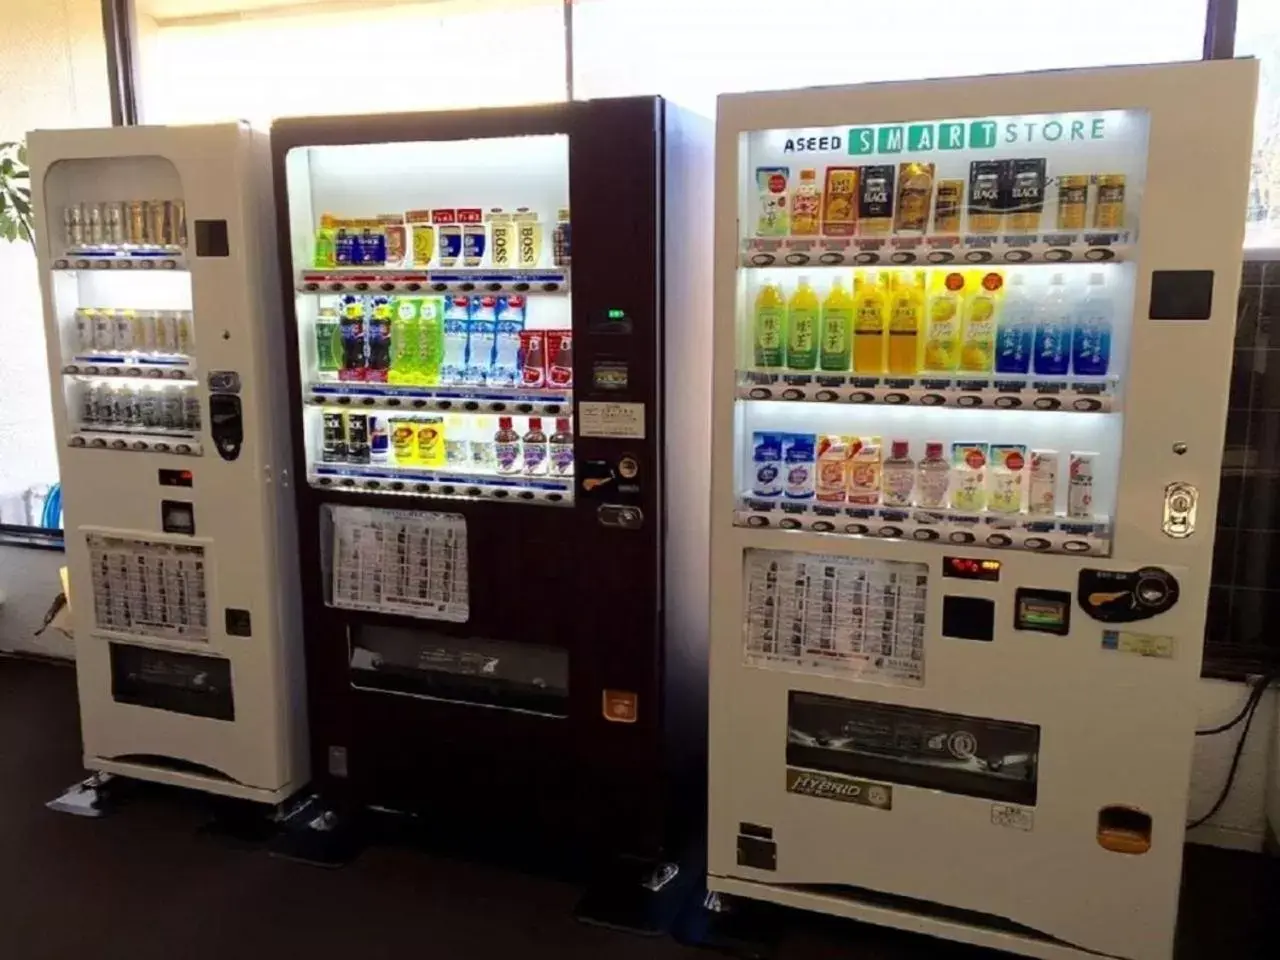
[(1220, 29), (120, 30)]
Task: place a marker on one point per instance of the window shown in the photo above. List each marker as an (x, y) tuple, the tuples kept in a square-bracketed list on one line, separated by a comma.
[(1258, 35), (692, 51), (204, 61)]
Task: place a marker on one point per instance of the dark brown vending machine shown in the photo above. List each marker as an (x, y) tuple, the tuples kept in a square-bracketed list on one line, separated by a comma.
[(501, 387)]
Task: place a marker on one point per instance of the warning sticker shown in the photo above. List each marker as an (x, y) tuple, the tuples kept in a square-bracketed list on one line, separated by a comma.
[(1013, 816), (825, 786), (1143, 644), (621, 421)]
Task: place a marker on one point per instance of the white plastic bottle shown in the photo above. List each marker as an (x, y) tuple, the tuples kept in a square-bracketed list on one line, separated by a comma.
[(1051, 354), (935, 477), (1080, 486)]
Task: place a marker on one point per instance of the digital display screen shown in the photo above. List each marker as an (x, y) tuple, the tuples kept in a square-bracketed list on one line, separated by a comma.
[(176, 478), (1046, 611), (971, 568)]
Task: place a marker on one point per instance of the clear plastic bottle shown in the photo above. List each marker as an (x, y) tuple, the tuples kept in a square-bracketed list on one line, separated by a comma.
[(1052, 350), (1015, 330), (934, 472), (898, 476), (535, 449), (506, 448), (1091, 332), (562, 448), (480, 441)]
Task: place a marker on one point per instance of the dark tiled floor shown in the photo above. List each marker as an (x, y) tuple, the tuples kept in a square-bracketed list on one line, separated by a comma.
[(146, 883)]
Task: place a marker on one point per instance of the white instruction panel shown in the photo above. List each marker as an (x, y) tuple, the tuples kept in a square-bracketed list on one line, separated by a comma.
[(621, 421), (149, 588), (848, 616), (400, 561)]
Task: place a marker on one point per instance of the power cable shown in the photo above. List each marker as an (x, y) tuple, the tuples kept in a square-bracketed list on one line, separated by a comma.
[(1246, 714)]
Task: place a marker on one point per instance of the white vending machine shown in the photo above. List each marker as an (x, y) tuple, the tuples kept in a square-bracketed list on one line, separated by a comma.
[(973, 343), (156, 249)]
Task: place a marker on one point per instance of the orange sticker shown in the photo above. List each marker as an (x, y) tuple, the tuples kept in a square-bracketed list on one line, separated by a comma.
[(620, 706)]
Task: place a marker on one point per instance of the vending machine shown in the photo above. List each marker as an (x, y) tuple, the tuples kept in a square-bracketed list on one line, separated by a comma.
[(502, 419), (156, 257), (973, 342)]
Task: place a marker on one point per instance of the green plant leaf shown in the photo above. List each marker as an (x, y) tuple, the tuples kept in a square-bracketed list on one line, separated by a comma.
[(22, 154)]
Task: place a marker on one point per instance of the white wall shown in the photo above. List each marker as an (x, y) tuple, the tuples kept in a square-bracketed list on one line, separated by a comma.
[(52, 74)]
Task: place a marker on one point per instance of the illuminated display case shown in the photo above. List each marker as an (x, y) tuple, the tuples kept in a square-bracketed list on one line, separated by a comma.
[(163, 336), (489, 315), (973, 340)]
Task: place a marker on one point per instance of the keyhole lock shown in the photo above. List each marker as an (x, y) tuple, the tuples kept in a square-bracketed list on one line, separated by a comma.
[(1179, 448)]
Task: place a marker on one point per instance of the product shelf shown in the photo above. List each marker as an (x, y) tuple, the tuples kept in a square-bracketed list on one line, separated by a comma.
[(108, 257), (973, 250), (978, 391), (420, 481), (459, 398), (368, 279), (105, 365), (1040, 534), (183, 443)]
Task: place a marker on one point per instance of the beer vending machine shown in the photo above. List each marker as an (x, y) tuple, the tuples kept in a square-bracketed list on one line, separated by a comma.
[(154, 246), (502, 432), (973, 340)]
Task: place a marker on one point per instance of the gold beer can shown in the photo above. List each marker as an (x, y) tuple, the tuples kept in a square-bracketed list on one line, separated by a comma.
[(137, 222), (113, 218), (158, 222), (95, 230), (178, 222), (1108, 211)]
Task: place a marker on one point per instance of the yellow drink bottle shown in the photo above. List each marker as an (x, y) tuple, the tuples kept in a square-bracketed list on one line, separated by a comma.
[(870, 305), (942, 334), (836, 348), (802, 327), (906, 308), (978, 327), (769, 327)]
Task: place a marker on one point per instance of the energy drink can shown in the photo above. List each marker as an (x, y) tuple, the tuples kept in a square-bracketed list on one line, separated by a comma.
[(178, 222), (73, 225), (986, 189), (379, 441), (875, 200), (1073, 201), (915, 196), (357, 437), (94, 225), (136, 211), (113, 222), (1025, 199), (158, 231), (334, 442), (1108, 211), (948, 207)]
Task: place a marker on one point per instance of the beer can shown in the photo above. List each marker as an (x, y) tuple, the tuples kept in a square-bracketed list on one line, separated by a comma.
[(94, 225), (1108, 210), (357, 437), (73, 225), (113, 222), (1073, 201), (158, 232), (167, 331), (334, 439), (172, 415), (136, 211), (178, 222), (185, 335)]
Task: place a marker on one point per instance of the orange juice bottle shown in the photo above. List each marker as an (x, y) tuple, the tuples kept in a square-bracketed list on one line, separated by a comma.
[(870, 307), (906, 308)]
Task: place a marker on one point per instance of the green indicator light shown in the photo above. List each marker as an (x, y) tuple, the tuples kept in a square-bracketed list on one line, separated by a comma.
[(616, 314)]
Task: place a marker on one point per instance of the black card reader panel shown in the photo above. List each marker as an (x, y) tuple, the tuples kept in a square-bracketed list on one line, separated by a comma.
[(227, 424), (969, 618)]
